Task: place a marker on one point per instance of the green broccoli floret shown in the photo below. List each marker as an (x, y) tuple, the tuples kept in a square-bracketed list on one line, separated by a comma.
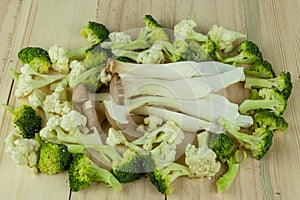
[(163, 177), (126, 167), (233, 163), (152, 31), (36, 57), (258, 143), (94, 32), (261, 69), (248, 53), (27, 119), (267, 119), (283, 83), (96, 56), (209, 47), (83, 172), (271, 99), (54, 157), (222, 145), (172, 54)]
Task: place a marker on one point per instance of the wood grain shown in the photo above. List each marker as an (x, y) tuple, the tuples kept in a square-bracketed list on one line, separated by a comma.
[(272, 24)]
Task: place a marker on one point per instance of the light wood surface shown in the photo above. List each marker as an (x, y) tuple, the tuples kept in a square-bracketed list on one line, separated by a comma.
[(272, 24)]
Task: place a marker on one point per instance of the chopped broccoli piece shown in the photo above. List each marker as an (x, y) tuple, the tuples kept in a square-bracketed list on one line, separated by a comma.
[(261, 69), (36, 57), (54, 158), (209, 47), (162, 178), (27, 119), (151, 22), (96, 56), (248, 53), (172, 54), (222, 145), (233, 163), (126, 167), (271, 99), (258, 143), (94, 32), (83, 172), (283, 83), (267, 119)]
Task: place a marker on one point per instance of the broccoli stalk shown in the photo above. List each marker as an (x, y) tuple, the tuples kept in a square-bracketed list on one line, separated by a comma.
[(162, 178), (271, 99), (283, 83), (54, 157), (233, 163), (94, 32), (26, 119), (83, 172), (258, 143), (126, 167), (36, 57), (261, 69), (248, 53), (267, 119)]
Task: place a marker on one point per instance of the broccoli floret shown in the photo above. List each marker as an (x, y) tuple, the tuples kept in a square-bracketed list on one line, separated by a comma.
[(222, 145), (261, 69), (126, 167), (248, 53), (96, 56), (162, 178), (283, 83), (54, 158), (233, 163), (94, 32), (258, 143), (172, 54), (271, 99), (267, 119), (83, 172), (27, 119), (36, 57), (209, 47), (152, 31)]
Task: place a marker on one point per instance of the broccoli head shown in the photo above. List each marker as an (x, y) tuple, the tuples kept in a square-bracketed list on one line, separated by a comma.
[(248, 53), (151, 22), (261, 69), (54, 158), (283, 83), (27, 119), (257, 143), (96, 56), (209, 47), (271, 99), (83, 172), (94, 32), (222, 145), (36, 57), (162, 178), (267, 119)]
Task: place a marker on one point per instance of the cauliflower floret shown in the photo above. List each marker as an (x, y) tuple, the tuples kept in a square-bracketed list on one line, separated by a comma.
[(59, 60), (224, 38), (73, 120), (184, 30), (116, 38), (151, 55), (151, 123), (202, 160), (24, 85), (36, 98), (23, 151), (77, 68)]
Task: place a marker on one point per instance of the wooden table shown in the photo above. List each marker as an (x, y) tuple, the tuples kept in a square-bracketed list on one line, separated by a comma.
[(273, 25)]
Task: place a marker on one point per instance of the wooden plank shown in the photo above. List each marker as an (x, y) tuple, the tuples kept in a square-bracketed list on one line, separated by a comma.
[(274, 25)]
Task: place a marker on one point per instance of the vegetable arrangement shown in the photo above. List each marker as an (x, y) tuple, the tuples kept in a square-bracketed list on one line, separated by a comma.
[(158, 96)]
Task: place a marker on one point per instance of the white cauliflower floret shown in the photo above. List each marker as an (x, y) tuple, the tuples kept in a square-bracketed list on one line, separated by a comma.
[(73, 120), (202, 160), (77, 68), (60, 62), (152, 55), (224, 38), (36, 98), (116, 38), (24, 85), (151, 123), (184, 30), (23, 151)]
